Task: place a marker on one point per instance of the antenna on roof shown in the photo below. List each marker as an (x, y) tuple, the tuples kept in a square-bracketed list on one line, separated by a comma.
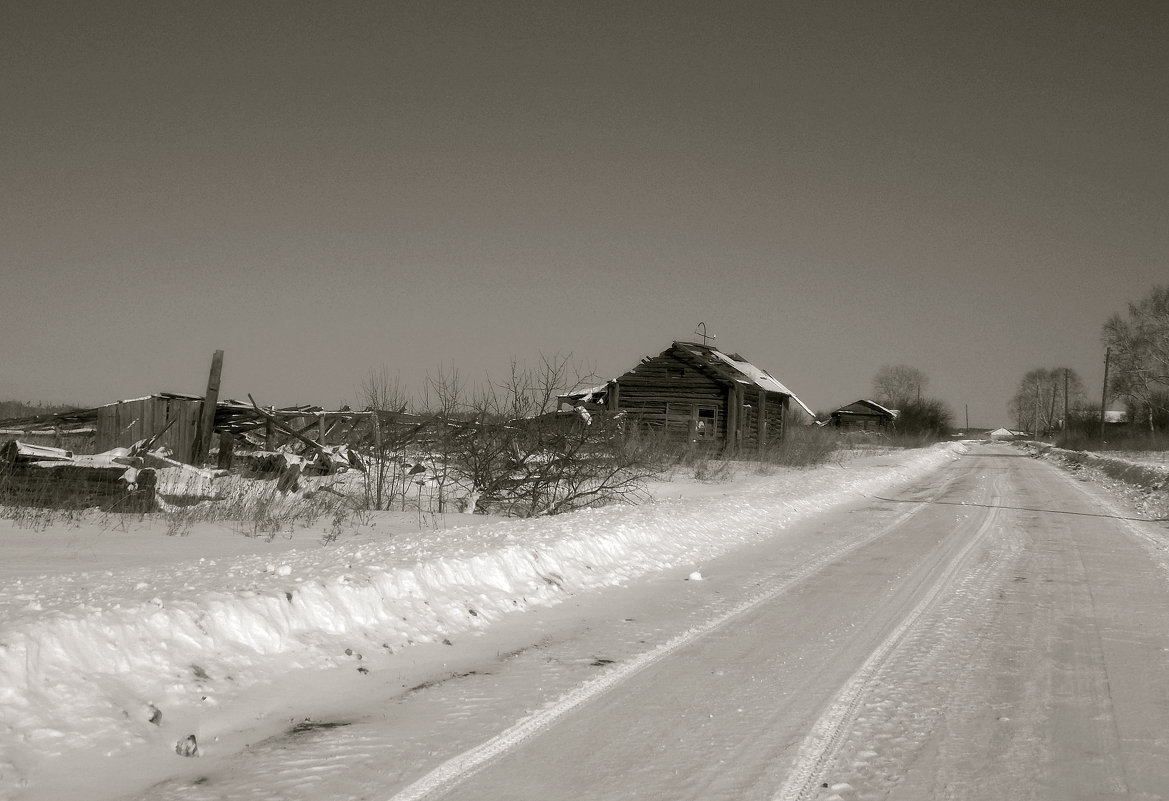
[(701, 331)]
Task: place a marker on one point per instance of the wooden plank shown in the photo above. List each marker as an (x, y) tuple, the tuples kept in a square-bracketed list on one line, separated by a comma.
[(243, 428), (15, 450), (119, 421), (276, 424), (105, 424), (298, 433), (734, 407), (202, 444), (338, 425), (226, 450), (189, 413), (761, 436)]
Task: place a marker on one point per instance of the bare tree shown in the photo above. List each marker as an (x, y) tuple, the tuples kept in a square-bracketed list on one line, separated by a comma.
[(570, 461), (380, 390), (928, 417), (530, 391), (446, 399), (385, 476), (1041, 397), (1140, 355), (501, 446), (518, 455), (898, 385)]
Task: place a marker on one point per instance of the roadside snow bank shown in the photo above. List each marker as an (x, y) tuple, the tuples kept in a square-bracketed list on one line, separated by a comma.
[(99, 658), (1140, 474), (1141, 481)]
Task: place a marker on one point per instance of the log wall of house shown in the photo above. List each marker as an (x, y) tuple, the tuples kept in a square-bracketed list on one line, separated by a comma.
[(761, 419), (665, 393), (747, 415), (777, 406)]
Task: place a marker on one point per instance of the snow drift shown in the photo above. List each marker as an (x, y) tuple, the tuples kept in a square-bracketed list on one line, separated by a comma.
[(97, 658)]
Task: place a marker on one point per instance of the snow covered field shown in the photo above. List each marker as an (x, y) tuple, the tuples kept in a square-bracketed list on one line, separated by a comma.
[(116, 639)]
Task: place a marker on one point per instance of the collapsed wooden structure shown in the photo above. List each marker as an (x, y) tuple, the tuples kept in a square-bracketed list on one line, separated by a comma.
[(137, 436), (171, 420), (690, 391), (36, 475)]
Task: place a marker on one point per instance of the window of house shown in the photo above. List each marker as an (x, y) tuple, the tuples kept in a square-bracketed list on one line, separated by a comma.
[(706, 423)]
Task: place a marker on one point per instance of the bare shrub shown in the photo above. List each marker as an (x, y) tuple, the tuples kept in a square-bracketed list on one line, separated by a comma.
[(1126, 438), (387, 468), (510, 451), (256, 508), (39, 497), (804, 446)]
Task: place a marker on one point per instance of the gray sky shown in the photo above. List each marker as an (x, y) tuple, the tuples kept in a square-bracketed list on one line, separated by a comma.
[(321, 189)]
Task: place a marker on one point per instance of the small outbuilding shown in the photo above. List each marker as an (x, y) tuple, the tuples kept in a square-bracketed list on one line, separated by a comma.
[(864, 415), (697, 393)]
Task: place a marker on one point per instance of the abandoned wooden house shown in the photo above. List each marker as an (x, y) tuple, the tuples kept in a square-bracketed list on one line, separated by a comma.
[(697, 393), (864, 415)]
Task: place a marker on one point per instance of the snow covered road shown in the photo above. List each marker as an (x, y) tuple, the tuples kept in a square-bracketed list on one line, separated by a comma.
[(1004, 635), (973, 628)]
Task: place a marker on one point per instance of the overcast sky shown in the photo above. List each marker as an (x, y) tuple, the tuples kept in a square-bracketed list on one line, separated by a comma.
[(322, 189)]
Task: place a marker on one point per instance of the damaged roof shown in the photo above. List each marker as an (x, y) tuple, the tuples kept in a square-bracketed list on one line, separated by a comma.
[(735, 368), (869, 405)]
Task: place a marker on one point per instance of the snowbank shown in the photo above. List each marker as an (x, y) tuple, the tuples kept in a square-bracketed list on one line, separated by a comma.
[(96, 658), (1145, 473), (1141, 479)]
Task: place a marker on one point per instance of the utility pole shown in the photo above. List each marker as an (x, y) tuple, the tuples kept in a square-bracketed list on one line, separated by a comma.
[(1065, 399), (968, 419), (1051, 415), (1035, 423), (1104, 394)]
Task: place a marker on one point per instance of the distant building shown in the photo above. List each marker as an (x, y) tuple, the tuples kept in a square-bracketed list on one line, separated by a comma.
[(864, 415)]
